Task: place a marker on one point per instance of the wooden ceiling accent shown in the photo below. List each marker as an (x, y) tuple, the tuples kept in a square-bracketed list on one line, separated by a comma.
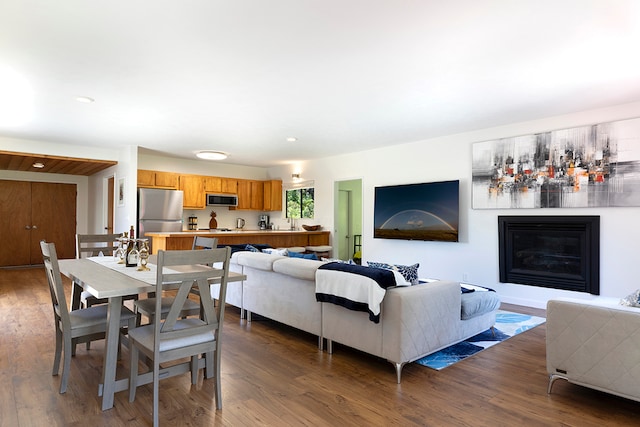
[(52, 164)]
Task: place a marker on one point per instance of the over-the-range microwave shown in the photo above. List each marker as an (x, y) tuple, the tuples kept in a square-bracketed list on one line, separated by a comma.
[(222, 200)]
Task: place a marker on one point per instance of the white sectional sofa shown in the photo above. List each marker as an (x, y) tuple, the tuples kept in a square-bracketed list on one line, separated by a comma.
[(595, 344), (414, 321)]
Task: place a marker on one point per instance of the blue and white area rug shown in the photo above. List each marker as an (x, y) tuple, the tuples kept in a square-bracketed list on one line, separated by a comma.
[(507, 325)]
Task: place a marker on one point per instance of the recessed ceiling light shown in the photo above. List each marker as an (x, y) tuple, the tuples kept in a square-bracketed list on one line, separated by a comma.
[(38, 165), (212, 155), (292, 139), (85, 99)]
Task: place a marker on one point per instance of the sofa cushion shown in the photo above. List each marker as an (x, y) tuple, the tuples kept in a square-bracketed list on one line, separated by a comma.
[(297, 267), (477, 303), (258, 260)]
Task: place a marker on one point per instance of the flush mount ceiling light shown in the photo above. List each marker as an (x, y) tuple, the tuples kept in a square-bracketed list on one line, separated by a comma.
[(85, 99), (38, 165), (212, 155), (292, 139)]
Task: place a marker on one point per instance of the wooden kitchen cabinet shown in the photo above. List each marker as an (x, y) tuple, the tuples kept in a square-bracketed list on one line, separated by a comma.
[(229, 185), (35, 211), (193, 189), (250, 194), (157, 179), (272, 195), (212, 184)]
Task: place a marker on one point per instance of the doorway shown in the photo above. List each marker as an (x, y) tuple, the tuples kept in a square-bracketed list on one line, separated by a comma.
[(110, 195), (348, 219)]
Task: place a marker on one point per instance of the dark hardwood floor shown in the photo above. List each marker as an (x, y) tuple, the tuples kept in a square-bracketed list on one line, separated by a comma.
[(275, 375)]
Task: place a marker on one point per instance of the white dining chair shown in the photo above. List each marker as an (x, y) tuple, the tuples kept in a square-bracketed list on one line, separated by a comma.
[(174, 338), (75, 326)]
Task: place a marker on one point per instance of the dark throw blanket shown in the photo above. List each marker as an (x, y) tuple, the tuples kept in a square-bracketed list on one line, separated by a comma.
[(362, 293)]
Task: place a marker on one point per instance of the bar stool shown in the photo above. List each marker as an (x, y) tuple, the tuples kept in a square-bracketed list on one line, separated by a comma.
[(320, 251)]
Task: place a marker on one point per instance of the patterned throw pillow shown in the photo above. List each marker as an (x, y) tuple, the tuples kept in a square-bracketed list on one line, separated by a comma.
[(251, 248), (341, 261), (281, 252), (305, 256), (409, 272), (632, 300)]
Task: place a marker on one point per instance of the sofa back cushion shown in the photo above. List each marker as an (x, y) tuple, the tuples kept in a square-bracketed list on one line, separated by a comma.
[(297, 267), (258, 260)]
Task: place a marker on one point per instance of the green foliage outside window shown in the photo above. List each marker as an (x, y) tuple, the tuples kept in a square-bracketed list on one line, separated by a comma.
[(300, 203)]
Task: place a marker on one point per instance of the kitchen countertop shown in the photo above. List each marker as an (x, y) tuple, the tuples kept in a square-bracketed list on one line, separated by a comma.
[(233, 231)]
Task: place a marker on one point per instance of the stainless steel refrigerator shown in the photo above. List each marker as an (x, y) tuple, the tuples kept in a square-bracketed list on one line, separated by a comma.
[(159, 210)]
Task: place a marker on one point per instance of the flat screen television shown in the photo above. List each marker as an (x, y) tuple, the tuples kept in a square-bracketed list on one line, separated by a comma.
[(425, 211)]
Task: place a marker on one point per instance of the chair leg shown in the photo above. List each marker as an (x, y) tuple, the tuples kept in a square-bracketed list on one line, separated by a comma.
[(133, 371), (66, 365), (209, 370), (58, 354), (194, 369), (156, 391), (218, 382)]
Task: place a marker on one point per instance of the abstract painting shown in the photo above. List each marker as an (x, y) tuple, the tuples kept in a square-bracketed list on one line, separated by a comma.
[(588, 166)]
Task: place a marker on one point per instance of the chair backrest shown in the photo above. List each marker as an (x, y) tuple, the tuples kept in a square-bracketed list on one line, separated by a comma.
[(183, 270), (201, 242), (92, 244), (56, 287)]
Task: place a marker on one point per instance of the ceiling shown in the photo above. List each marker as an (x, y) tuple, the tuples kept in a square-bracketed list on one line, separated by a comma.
[(341, 76), (51, 164)]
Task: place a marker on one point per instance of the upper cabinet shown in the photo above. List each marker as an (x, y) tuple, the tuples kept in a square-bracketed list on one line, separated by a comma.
[(272, 195), (194, 194), (252, 194), (230, 185), (155, 179)]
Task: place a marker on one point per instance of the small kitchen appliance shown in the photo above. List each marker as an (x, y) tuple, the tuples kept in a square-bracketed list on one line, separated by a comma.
[(263, 221), (240, 223)]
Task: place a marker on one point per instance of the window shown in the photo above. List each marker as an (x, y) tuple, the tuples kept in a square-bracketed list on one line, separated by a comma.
[(300, 203)]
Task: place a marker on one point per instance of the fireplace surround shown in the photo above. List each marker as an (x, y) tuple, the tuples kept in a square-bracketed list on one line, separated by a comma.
[(560, 252)]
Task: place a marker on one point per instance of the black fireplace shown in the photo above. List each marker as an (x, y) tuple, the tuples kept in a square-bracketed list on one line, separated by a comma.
[(561, 252)]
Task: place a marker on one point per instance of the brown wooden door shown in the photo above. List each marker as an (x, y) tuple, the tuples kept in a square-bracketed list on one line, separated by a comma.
[(15, 222), (53, 218), (33, 211)]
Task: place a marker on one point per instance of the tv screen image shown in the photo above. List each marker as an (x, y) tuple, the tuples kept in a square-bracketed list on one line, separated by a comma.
[(425, 211)]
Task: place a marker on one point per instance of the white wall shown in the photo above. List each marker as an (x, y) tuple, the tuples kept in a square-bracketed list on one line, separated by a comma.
[(476, 255)]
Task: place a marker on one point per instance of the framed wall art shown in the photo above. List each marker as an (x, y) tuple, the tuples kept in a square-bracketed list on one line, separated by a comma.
[(588, 166), (120, 192)]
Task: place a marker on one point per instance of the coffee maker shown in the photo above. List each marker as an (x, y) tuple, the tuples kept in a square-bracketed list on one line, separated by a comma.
[(263, 222)]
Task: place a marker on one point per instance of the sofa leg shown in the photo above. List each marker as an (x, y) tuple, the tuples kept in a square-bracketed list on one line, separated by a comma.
[(552, 379), (329, 346), (398, 367), (320, 343), (248, 316)]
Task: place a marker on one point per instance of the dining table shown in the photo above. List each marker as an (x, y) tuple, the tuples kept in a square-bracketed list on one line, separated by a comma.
[(105, 277)]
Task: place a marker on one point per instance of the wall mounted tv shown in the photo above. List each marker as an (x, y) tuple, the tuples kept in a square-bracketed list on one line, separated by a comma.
[(426, 211)]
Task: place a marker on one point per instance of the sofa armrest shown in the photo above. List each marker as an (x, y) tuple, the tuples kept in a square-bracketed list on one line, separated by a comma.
[(419, 319)]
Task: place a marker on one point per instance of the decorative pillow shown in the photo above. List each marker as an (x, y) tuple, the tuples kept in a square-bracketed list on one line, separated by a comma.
[(341, 261), (409, 272), (251, 248), (305, 256), (281, 252), (632, 300)]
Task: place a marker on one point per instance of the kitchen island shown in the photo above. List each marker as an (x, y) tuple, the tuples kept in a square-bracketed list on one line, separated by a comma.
[(275, 238)]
